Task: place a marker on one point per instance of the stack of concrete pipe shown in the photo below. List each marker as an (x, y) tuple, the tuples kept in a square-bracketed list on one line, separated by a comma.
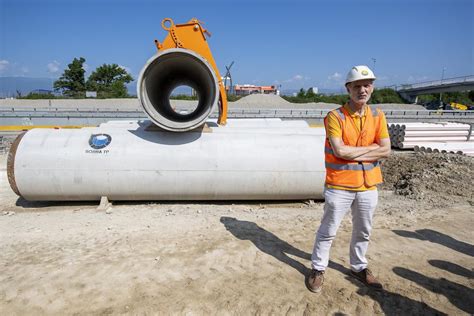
[(174, 156), (442, 136)]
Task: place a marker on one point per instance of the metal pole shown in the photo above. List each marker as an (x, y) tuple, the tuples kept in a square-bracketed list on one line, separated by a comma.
[(441, 93)]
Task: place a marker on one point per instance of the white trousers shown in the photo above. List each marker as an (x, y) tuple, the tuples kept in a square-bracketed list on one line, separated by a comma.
[(337, 203)]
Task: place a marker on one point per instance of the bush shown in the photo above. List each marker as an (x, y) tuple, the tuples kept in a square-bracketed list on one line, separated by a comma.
[(309, 96), (233, 97), (36, 96)]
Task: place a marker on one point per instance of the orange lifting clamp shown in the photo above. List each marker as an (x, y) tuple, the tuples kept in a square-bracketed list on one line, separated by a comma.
[(192, 36)]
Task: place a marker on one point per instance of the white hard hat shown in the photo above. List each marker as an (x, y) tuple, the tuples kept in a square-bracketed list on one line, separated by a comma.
[(360, 72)]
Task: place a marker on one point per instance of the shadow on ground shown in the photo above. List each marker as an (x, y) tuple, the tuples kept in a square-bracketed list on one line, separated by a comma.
[(459, 295), (267, 242), (391, 303), (439, 238), (452, 268), (21, 202)]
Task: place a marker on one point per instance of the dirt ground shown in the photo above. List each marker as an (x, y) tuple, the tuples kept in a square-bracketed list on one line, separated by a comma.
[(242, 258)]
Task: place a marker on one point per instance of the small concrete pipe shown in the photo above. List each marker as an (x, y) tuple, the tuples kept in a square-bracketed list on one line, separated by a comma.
[(168, 70), (146, 163)]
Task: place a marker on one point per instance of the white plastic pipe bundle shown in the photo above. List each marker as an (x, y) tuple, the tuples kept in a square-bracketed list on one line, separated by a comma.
[(143, 162), (409, 135)]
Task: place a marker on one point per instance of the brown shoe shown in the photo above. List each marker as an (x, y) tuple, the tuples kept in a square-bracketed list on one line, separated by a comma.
[(366, 277), (315, 281)]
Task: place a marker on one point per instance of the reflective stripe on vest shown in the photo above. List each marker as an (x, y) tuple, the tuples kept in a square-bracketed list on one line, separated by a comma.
[(341, 114), (328, 150), (366, 166)]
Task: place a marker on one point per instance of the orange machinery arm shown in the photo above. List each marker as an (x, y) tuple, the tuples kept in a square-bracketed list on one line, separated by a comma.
[(192, 36)]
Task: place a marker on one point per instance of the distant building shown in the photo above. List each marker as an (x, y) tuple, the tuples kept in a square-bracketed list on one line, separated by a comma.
[(247, 89), (315, 90)]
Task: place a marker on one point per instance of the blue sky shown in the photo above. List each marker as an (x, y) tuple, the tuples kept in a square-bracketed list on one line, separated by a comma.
[(292, 43)]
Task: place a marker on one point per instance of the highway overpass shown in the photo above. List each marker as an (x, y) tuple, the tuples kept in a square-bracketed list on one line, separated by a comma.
[(410, 92)]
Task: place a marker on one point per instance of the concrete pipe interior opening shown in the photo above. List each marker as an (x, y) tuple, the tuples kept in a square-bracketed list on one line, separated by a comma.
[(188, 93), (166, 73)]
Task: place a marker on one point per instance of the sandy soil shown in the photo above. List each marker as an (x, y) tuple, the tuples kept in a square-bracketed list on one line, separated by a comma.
[(229, 258)]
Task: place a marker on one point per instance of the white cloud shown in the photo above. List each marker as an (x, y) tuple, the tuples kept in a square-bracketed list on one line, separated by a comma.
[(85, 66), (3, 65), (53, 67), (24, 70), (335, 76), (296, 78)]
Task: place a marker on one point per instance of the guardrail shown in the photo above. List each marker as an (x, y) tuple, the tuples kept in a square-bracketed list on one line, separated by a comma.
[(283, 113), (276, 113)]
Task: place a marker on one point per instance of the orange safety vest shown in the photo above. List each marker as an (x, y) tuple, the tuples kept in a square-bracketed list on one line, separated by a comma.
[(348, 173)]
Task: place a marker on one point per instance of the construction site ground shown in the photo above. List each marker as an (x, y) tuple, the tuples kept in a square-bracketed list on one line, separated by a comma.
[(242, 257)]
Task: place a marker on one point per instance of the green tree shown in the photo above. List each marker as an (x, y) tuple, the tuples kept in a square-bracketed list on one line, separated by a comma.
[(431, 101), (470, 95), (385, 95), (72, 83), (427, 98), (310, 94), (301, 93), (457, 97), (109, 81)]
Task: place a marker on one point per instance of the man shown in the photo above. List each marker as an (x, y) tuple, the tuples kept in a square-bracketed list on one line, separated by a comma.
[(356, 138)]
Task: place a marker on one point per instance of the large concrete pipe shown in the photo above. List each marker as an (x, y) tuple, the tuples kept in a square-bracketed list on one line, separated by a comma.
[(145, 163), (168, 70)]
